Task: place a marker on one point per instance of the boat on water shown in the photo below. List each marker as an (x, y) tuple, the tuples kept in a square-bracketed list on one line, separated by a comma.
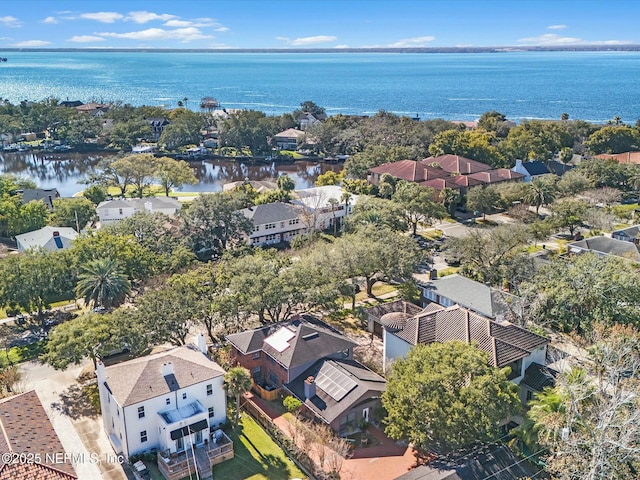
[(3, 59)]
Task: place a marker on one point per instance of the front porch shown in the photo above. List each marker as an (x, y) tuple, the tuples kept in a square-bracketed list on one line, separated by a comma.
[(175, 466)]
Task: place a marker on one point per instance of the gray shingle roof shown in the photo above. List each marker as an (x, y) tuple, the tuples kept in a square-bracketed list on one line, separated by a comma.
[(494, 461), (141, 379), (139, 203), (538, 377), (44, 236), (535, 167), (368, 384), (503, 342), (271, 213), (608, 246), (304, 347), (470, 294)]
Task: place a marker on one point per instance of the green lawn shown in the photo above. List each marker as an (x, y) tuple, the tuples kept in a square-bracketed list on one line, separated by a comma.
[(257, 457), (448, 271), (23, 354)]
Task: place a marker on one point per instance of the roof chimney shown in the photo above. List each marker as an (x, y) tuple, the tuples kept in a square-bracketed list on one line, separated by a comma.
[(167, 369), (309, 388), (56, 233), (202, 343)]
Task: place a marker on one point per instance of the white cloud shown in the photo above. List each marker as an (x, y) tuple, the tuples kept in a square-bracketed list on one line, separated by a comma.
[(144, 17), (50, 20), (412, 42), (553, 39), (341, 46), (222, 29), (10, 21), (86, 39), (557, 27), (32, 43), (297, 42), (103, 17), (184, 35)]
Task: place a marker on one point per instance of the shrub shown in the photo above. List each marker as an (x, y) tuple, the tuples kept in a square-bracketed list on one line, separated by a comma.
[(291, 403)]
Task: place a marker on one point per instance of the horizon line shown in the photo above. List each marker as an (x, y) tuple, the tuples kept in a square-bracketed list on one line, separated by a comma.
[(490, 49)]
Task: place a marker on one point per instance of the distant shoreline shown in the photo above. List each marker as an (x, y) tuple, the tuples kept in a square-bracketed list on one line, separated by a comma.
[(505, 49)]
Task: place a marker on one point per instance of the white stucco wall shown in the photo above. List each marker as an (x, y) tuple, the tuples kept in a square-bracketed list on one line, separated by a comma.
[(394, 347)]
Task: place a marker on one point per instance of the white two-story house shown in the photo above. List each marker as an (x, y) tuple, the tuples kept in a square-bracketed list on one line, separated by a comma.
[(274, 223), (322, 206), (111, 211), (172, 402)]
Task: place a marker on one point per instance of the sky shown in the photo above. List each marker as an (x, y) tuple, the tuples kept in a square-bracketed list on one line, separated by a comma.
[(316, 23)]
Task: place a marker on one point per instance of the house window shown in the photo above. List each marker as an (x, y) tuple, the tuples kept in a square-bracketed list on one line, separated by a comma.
[(271, 237), (256, 228), (269, 226), (210, 389), (143, 436), (168, 401), (529, 395), (184, 396), (294, 221), (273, 379), (211, 412), (120, 211), (281, 224), (140, 412), (257, 373), (255, 355)]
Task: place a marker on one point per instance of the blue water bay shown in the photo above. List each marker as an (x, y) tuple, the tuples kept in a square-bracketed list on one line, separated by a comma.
[(594, 86)]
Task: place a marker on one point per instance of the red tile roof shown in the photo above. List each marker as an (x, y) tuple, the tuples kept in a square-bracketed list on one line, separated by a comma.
[(496, 176), (32, 471), (25, 429), (457, 164), (409, 170), (626, 157)]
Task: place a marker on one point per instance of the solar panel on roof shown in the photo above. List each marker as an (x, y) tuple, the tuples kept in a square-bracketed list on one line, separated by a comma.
[(334, 382), (58, 241)]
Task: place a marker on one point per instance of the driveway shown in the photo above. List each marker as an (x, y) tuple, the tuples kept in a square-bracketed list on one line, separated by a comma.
[(79, 429)]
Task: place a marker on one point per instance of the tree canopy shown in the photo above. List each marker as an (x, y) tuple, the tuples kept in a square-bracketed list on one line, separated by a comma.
[(446, 395)]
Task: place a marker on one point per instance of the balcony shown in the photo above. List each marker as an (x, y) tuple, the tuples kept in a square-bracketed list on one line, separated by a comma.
[(175, 466)]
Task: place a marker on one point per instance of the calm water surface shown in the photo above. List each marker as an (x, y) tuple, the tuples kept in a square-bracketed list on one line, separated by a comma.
[(65, 171), (592, 86)]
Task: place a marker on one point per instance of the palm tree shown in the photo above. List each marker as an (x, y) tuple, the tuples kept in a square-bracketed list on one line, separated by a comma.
[(346, 198), (539, 193), (334, 206), (617, 120), (102, 282), (237, 382)]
